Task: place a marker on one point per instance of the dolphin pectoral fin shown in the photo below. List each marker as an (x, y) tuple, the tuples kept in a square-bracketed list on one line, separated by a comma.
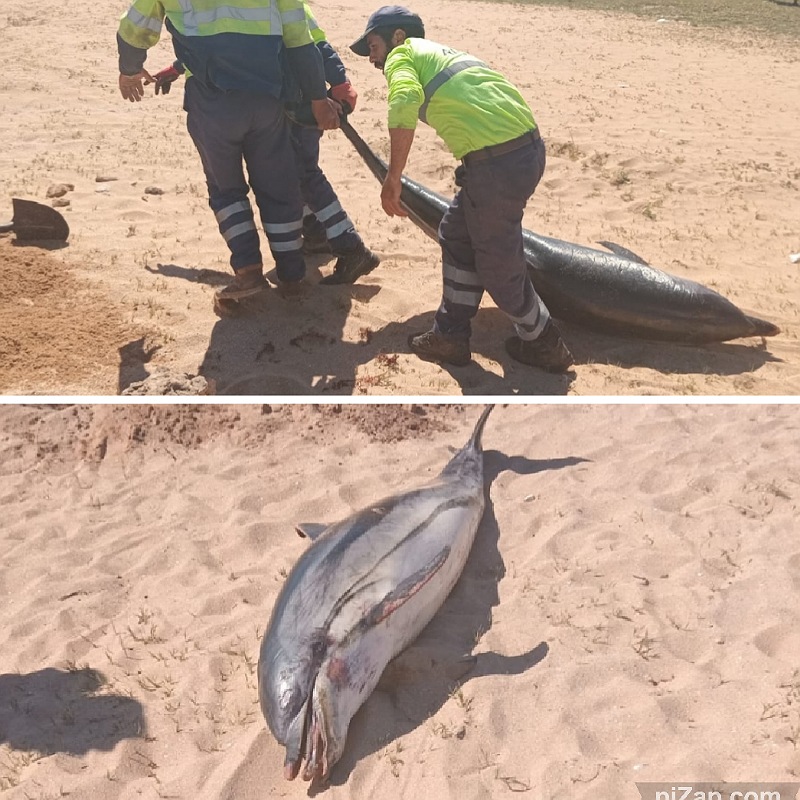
[(619, 250), (405, 590), (310, 530)]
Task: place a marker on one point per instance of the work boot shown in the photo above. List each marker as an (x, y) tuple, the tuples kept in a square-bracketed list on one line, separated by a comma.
[(352, 265), (441, 347), (315, 239), (247, 281), (548, 351)]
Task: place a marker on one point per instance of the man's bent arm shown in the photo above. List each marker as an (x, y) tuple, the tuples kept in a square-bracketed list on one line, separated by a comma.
[(309, 71)]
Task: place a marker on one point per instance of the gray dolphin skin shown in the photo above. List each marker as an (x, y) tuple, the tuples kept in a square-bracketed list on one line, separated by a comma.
[(364, 589), (611, 292)]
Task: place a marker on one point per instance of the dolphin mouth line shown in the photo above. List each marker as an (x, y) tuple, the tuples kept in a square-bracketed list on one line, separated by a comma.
[(313, 754)]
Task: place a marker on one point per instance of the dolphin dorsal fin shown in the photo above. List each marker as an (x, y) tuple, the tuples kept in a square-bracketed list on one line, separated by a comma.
[(619, 250), (310, 530)]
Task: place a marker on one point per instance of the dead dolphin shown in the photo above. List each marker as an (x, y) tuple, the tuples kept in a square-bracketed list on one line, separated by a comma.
[(611, 292), (364, 589)]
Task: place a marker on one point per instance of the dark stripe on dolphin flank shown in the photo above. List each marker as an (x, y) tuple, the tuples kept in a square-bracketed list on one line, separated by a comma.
[(607, 292), (365, 582), (399, 595)]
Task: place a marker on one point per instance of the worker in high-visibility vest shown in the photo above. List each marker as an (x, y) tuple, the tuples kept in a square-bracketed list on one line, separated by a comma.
[(234, 51), (326, 226), (487, 125)]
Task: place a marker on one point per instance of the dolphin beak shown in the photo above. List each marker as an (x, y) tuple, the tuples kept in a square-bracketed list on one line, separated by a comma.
[(290, 769), (316, 763), (307, 751), (297, 740)]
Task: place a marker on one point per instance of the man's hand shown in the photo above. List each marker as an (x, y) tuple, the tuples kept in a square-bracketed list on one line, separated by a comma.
[(164, 79), (345, 94), (130, 86), (390, 197), (326, 113)]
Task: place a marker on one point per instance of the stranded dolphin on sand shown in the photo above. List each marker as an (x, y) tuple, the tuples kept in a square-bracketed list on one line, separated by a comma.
[(363, 590), (614, 292)]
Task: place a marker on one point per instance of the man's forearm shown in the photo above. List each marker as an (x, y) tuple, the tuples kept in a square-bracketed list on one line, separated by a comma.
[(400, 140), (332, 64), (309, 71), (131, 59)]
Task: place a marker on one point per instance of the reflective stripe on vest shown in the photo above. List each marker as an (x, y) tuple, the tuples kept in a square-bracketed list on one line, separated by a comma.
[(141, 21), (194, 19), (440, 79)]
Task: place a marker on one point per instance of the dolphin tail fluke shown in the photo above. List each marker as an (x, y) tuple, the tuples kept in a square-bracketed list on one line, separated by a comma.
[(424, 207), (475, 440)]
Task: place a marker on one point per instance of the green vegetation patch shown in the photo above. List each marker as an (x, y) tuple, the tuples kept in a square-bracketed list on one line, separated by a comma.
[(776, 17)]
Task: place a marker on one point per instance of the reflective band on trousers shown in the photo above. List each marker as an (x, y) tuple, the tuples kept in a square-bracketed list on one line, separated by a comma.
[(238, 230), (285, 247), (193, 19), (283, 227), (462, 298), (438, 80), (532, 324), (233, 208), (326, 213), (458, 275), (339, 228), (334, 229)]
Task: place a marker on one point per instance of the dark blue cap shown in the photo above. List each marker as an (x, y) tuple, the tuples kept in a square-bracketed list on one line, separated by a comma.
[(388, 16)]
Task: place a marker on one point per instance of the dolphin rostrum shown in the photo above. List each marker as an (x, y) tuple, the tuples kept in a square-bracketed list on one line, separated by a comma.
[(616, 292), (364, 589)]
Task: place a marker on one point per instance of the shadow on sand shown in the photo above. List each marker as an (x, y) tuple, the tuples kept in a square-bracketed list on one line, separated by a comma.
[(56, 711), (275, 345), (284, 347)]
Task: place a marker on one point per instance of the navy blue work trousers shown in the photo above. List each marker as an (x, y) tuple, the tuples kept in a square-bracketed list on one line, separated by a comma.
[(318, 194), (481, 239), (235, 129)]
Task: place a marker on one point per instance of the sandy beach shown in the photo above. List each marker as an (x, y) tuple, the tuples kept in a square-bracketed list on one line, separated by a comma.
[(678, 143), (631, 603)]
